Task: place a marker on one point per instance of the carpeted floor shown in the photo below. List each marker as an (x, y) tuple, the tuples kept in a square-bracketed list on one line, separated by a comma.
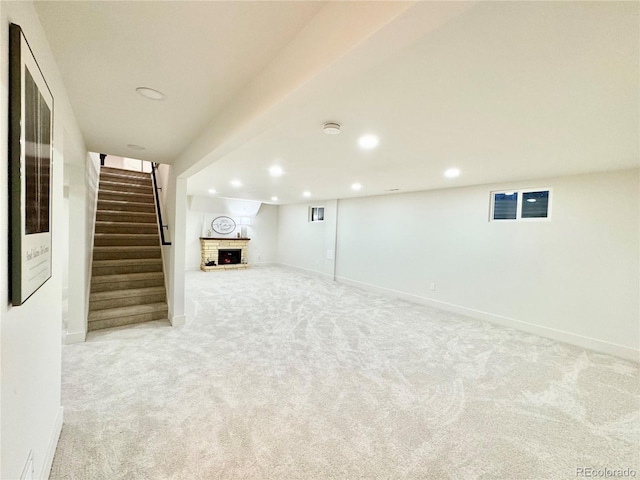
[(282, 375)]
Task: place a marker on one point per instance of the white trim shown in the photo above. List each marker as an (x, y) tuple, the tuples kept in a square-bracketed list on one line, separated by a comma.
[(178, 320), (96, 170), (552, 333), (305, 270), (167, 259), (27, 471), (47, 462), (263, 264), (75, 337)]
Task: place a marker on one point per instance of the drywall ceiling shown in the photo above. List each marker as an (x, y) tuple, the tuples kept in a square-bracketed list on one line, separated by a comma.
[(199, 54), (501, 90), (504, 91)]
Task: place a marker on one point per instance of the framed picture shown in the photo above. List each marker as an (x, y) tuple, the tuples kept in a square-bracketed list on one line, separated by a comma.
[(30, 169), (223, 225)]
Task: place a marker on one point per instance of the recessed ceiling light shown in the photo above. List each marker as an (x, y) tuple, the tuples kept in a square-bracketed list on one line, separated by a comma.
[(306, 194), (356, 186), (274, 199), (236, 183), (509, 193), (151, 93), (331, 128), (368, 142), (531, 200), (212, 191), (133, 146), (452, 173), (276, 171)]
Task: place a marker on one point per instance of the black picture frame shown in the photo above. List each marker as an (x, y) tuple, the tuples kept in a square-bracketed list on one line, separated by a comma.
[(30, 170)]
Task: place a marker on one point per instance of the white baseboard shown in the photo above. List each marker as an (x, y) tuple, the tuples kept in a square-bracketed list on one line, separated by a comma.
[(263, 264), (177, 320), (305, 270), (75, 337), (552, 333), (53, 443)]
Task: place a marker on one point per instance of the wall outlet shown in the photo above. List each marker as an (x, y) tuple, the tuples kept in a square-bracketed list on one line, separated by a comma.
[(432, 287), (329, 254)]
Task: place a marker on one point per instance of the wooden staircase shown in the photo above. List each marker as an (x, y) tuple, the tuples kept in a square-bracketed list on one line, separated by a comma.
[(127, 281)]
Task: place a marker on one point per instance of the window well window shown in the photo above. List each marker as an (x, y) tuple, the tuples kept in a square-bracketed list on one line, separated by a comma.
[(316, 214), (528, 204), (535, 204), (505, 206)]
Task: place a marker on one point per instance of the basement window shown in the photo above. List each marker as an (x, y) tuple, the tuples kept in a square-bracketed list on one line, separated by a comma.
[(316, 214), (524, 204)]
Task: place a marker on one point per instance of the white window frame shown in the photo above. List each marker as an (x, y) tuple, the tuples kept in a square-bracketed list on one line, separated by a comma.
[(311, 208), (521, 192)]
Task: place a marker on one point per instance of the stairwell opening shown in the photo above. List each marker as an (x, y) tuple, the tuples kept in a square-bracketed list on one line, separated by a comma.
[(127, 283)]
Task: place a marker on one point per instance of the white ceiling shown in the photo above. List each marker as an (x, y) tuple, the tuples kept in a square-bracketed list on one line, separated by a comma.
[(502, 90), (199, 54)]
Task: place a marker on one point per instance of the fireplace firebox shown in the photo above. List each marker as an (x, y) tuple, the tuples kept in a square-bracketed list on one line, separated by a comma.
[(229, 256)]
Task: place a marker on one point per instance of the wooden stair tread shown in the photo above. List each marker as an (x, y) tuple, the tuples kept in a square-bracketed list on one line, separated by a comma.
[(135, 214), (120, 312), (125, 227), (149, 216), (125, 235), (123, 187), (128, 292), (123, 172), (127, 261), (125, 193), (120, 202), (116, 248), (119, 252), (125, 196), (106, 223), (116, 182), (126, 321), (121, 277)]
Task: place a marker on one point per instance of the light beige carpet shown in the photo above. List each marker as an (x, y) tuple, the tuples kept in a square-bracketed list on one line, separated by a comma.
[(281, 375)]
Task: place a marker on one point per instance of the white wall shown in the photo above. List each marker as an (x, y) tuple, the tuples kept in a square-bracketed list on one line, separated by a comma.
[(575, 278), (306, 245), (173, 202), (30, 347), (82, 176), (127, 163), (263, 233)]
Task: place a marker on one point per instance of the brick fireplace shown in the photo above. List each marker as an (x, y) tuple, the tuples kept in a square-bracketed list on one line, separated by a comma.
[(210, 251)]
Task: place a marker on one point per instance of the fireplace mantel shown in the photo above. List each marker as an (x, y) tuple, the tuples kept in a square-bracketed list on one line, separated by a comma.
[(226, 238), (209, 247)]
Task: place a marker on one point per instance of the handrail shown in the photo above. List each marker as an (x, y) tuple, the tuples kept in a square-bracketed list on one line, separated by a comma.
[(154, 166)]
